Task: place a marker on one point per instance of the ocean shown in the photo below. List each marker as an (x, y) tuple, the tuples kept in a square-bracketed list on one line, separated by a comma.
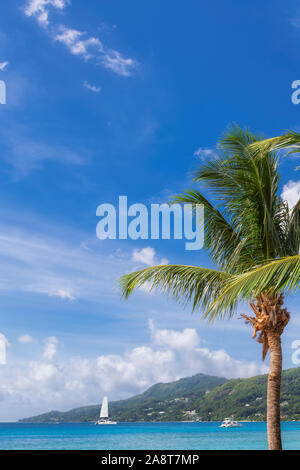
[(145, 436)]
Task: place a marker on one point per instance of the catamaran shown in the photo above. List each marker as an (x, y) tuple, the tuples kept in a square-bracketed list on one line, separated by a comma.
[(104, 416), (230, 423)]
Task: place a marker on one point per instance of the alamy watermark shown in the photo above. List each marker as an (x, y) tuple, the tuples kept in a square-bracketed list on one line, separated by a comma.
[(163, 221), (3, 345), (2, 92), (296, 353)]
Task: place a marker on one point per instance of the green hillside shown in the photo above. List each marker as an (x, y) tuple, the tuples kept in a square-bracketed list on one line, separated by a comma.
[(200, 397), (246, 398)]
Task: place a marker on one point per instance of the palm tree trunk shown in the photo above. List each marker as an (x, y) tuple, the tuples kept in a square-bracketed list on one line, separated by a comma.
[(273, 394), (270, 320)]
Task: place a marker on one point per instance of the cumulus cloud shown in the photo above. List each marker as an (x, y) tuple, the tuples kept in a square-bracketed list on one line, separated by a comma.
[(89, 86), (25, 339), (41, 385), (50, 348), (147, 256), (177, 340), (3, 66), (194, 358), (144, 256), (291, 193)]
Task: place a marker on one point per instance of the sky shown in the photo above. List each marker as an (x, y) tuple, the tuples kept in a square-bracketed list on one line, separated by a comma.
[(123, 98)]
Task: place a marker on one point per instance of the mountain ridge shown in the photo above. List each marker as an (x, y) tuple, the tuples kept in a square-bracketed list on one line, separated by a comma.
[(196, 398)]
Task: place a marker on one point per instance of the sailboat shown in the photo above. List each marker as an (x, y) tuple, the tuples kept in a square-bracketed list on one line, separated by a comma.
[(104, 417)]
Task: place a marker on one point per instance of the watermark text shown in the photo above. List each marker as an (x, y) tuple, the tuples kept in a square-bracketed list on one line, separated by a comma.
[(296, 353), (163, 221), (2, 92), (3, 345)]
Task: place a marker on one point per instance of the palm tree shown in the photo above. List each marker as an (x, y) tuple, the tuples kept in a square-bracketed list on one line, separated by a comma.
[(252, 237)]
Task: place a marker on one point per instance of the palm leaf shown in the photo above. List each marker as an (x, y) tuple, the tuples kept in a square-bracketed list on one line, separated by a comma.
[(292, 241), (237, 139), (250, 233), (289, 141), (275, 276), (225, 244), (247, 185), (202, 285)]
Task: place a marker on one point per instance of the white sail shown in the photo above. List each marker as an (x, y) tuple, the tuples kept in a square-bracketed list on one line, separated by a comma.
[(104, 408), (104, 419)]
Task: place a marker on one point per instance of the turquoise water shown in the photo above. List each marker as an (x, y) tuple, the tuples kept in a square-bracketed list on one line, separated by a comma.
[(168, 436)]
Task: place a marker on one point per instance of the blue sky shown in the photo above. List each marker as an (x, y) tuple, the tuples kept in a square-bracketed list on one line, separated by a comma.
[(117, 98)]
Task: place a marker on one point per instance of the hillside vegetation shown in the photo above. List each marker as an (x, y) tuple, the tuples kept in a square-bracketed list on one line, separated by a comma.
[(201, 397)]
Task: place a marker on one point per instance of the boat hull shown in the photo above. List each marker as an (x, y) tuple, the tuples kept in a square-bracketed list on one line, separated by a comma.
[(230, 423), (230, 426), (106, 422)]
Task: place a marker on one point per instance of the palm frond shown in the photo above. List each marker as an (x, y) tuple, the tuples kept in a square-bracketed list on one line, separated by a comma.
[(236, 139), (249, 232), (289, 141), (201, 285), (227, 248), (292, 241), (275, 276), (247, 186)]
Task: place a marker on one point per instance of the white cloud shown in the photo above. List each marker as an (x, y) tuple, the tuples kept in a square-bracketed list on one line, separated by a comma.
[(40, 385), (63, 294), (40, 9), (203, 153), (50, 348), (194, 358), (72, 39), (32, 261), (164, 261), (147, 256), (25, 339), (92, 48), (118, 64), (3, 66), (91, 87), (79, 42), (291, 193), (186, 340), (144, 256)]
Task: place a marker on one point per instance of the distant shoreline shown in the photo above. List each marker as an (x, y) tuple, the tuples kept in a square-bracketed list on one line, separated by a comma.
[(203, 397), (139, 422)]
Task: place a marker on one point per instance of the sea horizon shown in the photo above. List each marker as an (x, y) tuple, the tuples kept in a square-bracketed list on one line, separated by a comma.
[(147, 422), (143, 436)]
